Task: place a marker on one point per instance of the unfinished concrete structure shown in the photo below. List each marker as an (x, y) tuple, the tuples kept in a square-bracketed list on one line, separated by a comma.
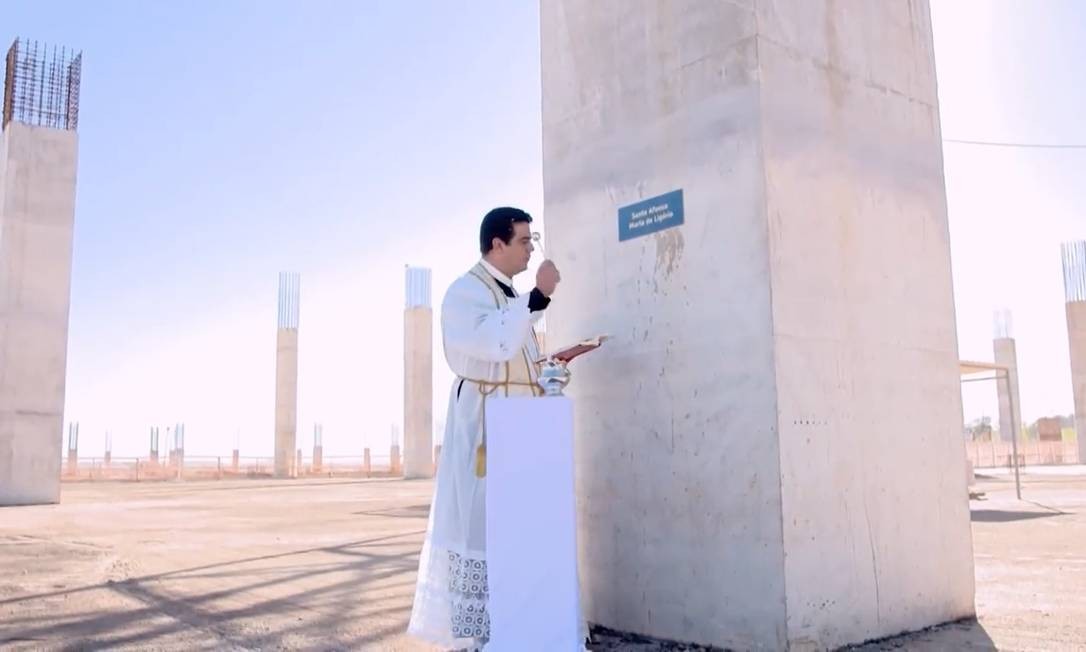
[(418, 394), (38, 154), (1006, 355), (286, 376), (318, 447), (395, 462), (1074, 284), (177, 451), (73, 448), (769, 452)]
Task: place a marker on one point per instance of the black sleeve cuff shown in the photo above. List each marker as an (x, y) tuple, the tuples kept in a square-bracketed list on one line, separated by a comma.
[(537, 302)]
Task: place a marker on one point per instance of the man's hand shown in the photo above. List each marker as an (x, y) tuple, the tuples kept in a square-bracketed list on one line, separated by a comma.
[(547, 278)]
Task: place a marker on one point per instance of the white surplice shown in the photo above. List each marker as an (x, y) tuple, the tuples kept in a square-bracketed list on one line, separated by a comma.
[(490, 345)]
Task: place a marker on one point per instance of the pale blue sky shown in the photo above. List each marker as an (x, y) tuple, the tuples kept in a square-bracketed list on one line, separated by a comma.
[(223, 142), (1013, 71)]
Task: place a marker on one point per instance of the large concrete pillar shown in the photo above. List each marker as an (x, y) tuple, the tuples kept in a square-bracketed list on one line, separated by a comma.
[(318, 447), (418, 395), (748, 196), (286, 376), (394, 465), (38, 153), (73, 449), (1074, 279), (179, 447), (1006, 355)]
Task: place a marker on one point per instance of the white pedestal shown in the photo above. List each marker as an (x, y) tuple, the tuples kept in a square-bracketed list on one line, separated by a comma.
[(531, 526)]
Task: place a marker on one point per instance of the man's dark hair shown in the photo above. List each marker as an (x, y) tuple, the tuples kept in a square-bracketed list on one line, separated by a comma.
[(498, 223)]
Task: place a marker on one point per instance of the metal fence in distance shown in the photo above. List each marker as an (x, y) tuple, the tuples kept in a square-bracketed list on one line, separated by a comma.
[(995, 454), (190, 467)]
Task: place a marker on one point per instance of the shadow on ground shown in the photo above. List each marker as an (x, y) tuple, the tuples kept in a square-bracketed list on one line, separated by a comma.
[(261, 602), (1006, 516)]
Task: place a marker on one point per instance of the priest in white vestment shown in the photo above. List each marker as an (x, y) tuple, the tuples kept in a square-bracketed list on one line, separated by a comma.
[(490, 344)]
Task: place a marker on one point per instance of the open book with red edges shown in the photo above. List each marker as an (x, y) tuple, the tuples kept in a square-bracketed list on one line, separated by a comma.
[(570, 352)]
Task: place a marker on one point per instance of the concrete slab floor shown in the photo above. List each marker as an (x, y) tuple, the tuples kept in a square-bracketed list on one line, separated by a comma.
[(330, 564)]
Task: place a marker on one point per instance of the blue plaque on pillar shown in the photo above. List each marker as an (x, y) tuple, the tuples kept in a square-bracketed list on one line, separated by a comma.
[(650, 215)]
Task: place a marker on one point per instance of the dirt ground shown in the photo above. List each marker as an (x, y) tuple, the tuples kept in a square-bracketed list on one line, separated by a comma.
[(1030, 565), (330, 564)]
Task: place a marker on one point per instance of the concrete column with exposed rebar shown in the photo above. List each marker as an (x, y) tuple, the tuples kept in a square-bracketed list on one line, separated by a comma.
[(418, 394), (318, 447), (38, 156), (1006, 355), (179, 447), (1074, 283), (286, 376), (73, 448)]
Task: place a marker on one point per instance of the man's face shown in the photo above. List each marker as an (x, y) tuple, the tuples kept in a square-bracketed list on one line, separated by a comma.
[(515, 255)]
